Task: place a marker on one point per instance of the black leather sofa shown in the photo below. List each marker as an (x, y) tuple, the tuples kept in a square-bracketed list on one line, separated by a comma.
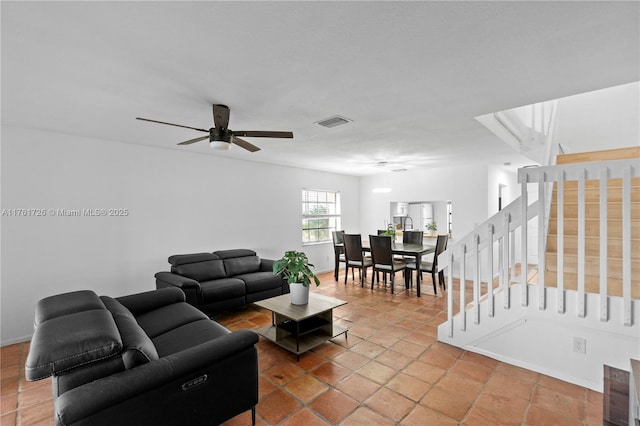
[(144, 359), (224, 279)]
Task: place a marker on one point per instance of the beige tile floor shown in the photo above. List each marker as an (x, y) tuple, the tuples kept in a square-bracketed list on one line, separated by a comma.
[(390, 370)]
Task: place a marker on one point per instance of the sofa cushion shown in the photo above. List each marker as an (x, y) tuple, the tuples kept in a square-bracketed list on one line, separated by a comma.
[(228, 254), (67, 303), (226, 288), (242, 265), (167, 318), (261, 281), (198, 266), (59, 345), (187, 336), (182, 259), (201, 271), (147, 301), (137, 348)]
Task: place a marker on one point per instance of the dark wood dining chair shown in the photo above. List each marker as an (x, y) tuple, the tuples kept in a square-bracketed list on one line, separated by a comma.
[(412, 237), (384, 275), (338, 251), (354, 258), (383, 260), (432, 267)]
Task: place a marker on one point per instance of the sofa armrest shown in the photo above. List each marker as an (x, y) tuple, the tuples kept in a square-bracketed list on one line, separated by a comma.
[(190, 288), (147, 301), (266, 265), (163, 391)]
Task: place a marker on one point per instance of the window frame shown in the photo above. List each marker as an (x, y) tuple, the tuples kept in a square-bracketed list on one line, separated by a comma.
[(334, 219)]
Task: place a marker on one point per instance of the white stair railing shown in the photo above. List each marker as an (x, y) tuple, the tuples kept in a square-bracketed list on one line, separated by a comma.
[(497, 238)]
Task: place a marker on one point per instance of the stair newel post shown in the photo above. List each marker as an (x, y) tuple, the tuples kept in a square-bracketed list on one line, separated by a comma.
[(524, 239), (604, 239), (463, 305), (490, 267), (505, 257), (476, 280), (560, 301), (581, 244), (541, 240), (626, 245), (512, 250), (450, 293)]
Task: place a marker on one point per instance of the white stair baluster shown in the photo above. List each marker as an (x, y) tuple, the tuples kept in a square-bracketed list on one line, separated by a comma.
[(581, 245), (524, 241), (463, 305), (604, 239), (506, 236), (560, 243), (626, 245), (542, 234), (476, 280), (490, 267), (450, 293)]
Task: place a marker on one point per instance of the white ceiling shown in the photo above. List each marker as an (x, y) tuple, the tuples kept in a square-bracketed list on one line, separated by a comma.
[(411, 75)]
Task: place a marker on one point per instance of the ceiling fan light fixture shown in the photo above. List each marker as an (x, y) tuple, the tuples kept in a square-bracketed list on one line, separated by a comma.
[(221, 142), (220, 145)]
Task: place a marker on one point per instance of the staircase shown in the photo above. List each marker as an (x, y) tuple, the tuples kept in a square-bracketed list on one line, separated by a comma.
[(563, 316), (613, 262)]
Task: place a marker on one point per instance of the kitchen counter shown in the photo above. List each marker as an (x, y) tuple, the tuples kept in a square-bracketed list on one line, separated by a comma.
[(425, 234)]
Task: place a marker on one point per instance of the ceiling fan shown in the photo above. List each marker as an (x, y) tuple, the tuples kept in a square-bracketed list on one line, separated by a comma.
[(221, 137)]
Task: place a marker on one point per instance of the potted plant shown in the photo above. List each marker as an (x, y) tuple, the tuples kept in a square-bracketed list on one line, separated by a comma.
[(390, 231), (295, 267), (433, 226)]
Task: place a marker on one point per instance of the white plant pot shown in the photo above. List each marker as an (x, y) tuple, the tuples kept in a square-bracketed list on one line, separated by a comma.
[(299, 294)]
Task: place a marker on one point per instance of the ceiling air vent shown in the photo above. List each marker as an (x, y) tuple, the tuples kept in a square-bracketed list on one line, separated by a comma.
[(334, 121)]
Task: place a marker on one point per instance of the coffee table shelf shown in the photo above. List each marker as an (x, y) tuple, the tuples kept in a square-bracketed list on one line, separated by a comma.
[(299, 328), (305, 326)]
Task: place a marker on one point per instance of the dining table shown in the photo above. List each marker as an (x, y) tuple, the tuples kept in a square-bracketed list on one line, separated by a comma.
[(414, 250)]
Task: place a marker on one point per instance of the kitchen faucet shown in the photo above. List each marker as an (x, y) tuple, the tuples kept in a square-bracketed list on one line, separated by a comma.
[(404, 228)]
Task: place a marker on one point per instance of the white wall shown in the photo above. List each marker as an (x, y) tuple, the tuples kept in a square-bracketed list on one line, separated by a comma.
[(602, 119), (501, 176), (178, 202), (542, 339)]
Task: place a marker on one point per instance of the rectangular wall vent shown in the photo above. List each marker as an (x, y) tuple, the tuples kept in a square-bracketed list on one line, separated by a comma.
[(334, 121)]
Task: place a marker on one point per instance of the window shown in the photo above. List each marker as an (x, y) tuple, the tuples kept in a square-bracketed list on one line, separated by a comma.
[(320, 215)]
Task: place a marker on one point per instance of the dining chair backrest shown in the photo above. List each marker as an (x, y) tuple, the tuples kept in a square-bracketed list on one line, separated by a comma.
[(412, 237), (441, 245), (338, 237), (381, 249), (381, 231), (353, 247)]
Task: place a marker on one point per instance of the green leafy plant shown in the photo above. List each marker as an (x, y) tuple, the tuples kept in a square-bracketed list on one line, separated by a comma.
[(390, 231), (295, 267), (433, 226)]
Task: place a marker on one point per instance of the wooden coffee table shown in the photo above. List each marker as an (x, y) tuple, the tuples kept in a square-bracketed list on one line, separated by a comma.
[(299, 328)]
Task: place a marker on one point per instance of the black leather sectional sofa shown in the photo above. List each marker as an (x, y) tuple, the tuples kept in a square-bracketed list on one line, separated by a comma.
[(144, 359), (224, 279)]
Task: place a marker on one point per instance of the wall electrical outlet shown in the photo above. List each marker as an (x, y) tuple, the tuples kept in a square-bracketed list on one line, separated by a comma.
[(580, 345)]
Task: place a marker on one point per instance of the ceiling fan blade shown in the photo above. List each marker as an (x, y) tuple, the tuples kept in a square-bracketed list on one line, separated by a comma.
[(190, 141), (262, 134), (172, 124), (244, 144), (221, 116)]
